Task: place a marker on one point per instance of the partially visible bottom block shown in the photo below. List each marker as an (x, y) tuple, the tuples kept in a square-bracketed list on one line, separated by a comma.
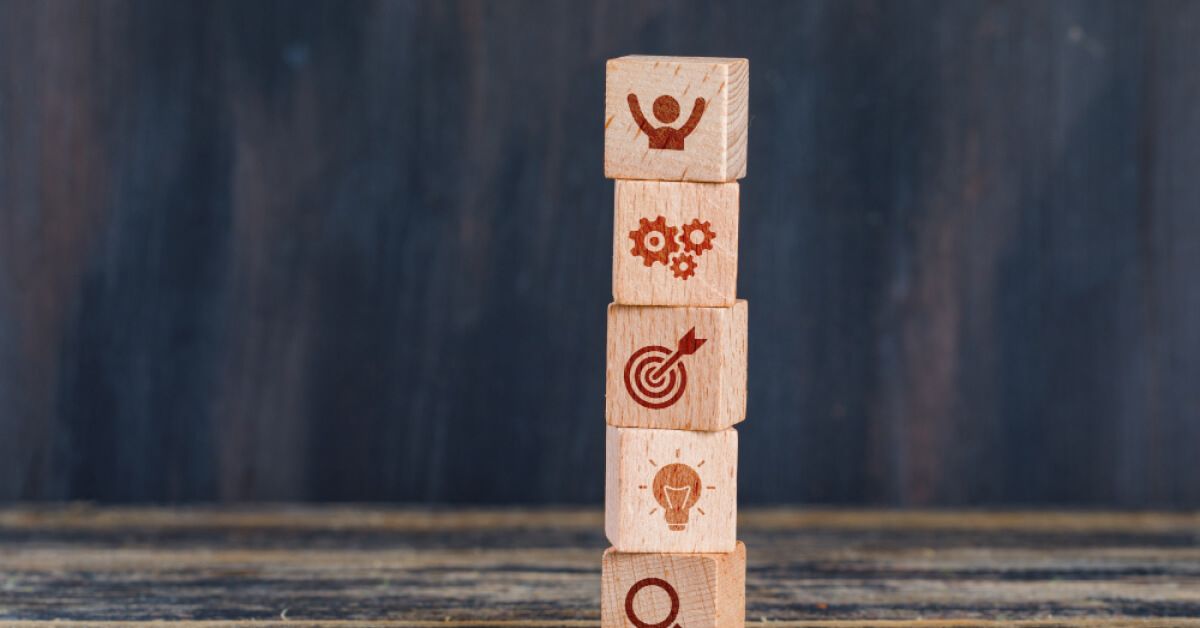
[(665, 590)]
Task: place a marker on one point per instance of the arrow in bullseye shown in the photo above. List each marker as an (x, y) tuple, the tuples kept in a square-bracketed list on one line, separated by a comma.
[(687, 346)]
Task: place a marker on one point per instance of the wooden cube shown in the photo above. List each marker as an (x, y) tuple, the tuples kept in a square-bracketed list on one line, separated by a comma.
[(681, 368), (670, 490), (684, 590), (675, 243), (676, 118)]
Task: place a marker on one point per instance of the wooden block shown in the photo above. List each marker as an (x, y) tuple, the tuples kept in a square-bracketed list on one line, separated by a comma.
[(675, 243), (676, 118), (668, 590), (670, 490), (681, 368)]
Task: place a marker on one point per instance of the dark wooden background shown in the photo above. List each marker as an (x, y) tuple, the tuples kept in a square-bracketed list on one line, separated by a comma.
[(361, 251)]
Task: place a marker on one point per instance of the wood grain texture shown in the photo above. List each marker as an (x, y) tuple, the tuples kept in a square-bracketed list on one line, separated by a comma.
[(311, 250), (703, 138), (705, 590), (670, 490), (702, 390), (347, 566), (675, 244)]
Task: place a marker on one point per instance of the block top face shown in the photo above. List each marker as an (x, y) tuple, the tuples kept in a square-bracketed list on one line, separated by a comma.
[(676, 118)]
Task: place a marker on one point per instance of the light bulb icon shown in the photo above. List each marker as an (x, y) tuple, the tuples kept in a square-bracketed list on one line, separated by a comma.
[(677, 488)]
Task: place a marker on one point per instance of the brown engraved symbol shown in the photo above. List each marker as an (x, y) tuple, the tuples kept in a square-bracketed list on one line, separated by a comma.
[(652, 582), (655, 242), (676, 488), (666, 109), (654, 375)]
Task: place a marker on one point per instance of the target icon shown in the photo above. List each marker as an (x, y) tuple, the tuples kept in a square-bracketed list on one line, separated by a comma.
[(655, 376)]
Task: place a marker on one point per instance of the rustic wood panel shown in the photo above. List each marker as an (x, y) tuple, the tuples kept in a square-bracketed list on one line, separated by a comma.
[(311, 250), (367, 566)]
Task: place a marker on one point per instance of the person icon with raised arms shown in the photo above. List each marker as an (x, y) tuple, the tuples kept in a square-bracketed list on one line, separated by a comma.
[(666, 110)]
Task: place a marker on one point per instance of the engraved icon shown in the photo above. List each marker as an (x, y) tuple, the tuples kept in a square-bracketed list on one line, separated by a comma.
[(655, 376), (666, 110), (677, 488), (655, 242), (652, 582)]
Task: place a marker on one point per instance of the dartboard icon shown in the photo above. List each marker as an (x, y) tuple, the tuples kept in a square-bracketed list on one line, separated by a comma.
[(655, 376)]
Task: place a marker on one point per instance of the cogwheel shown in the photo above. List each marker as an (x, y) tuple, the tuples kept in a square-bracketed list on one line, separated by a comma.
[(683, 266), (698, 236), (654, 241)]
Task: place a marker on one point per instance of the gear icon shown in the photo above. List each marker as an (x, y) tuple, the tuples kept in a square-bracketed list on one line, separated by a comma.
[(683, 266), (654, 241), (698, 236)]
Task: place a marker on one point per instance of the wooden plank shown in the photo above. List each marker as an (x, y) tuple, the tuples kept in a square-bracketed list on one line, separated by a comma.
[(676, 118), (287, 623), (675, 244), (695, 590), (671, 490), (84, 517), (681, 368), (505, 567)]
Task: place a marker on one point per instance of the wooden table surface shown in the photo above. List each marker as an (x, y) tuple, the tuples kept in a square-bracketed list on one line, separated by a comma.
[(352, 566)]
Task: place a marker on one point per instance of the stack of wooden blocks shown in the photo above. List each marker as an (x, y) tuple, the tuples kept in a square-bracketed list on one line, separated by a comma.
[(675, 142)]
